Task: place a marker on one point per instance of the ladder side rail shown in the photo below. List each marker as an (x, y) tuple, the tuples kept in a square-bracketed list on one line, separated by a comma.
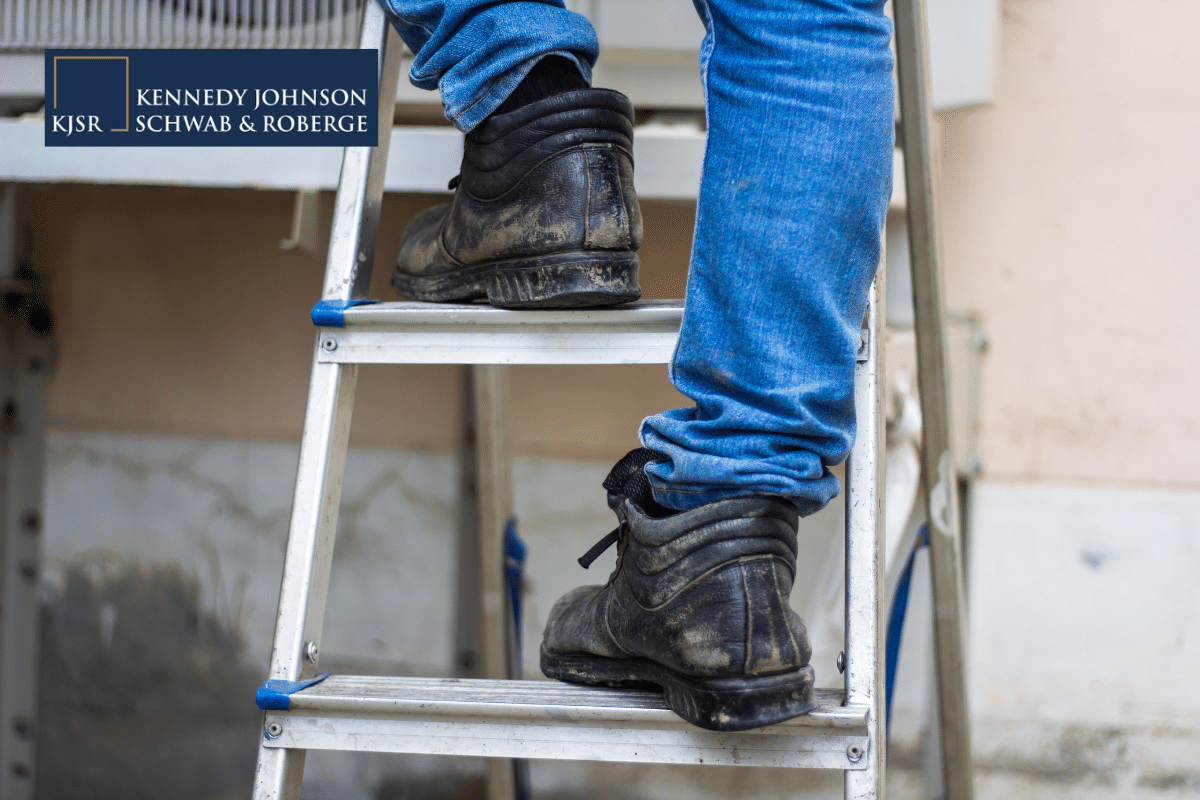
[(314, 522), (493, 465), (864, 556), (308, 557), (937, 466), (309, 553), (490, 385), (360, 187), (331, 394)]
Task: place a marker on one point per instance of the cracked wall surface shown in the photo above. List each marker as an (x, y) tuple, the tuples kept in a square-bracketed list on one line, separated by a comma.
[(163, 559), (221, 508), (163, 563)]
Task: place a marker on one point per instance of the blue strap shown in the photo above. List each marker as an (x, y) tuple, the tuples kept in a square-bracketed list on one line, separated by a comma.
[(330, 313), (895, 626), (277, 695), (515, 551)]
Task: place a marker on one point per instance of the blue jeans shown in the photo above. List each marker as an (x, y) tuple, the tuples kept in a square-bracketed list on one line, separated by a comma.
[(797, 176)]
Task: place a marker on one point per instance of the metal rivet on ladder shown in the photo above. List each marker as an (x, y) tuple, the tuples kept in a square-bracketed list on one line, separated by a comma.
[(841, 662), (21, 770), (854, 752), (29, 571), (274, 730), (310, 651), (329, 345), (31, 522)]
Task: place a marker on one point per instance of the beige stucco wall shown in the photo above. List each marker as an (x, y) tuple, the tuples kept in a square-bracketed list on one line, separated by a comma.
[(177, 312), (1071, 212)]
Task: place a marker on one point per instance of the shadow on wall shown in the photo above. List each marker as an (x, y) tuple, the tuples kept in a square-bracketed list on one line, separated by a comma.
[(143, 694)]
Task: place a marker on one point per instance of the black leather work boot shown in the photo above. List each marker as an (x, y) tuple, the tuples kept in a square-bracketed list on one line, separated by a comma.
[(544, 213), (698, 604)]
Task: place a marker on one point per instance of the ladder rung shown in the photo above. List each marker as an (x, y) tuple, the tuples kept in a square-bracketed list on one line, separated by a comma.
[(551, 720), (422, 333)]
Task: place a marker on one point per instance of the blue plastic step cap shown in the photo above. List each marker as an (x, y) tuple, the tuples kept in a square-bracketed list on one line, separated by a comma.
[(330, 313), (277, 695)]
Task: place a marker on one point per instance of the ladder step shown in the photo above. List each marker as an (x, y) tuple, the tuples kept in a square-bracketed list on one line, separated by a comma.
[(551, 720), (423, 333)]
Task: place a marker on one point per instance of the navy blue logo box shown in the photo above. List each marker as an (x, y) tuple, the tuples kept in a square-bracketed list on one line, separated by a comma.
[(234, 98)]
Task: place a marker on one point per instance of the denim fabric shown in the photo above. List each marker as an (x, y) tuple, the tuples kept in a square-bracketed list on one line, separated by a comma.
[(477, 51), (797, 176)]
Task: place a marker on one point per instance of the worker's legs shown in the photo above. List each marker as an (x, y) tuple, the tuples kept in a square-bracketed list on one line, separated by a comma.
[(797, 176), (789, 220), (796, 180)]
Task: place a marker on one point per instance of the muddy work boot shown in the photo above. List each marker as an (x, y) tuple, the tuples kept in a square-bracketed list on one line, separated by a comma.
[(698, 605), (544, 212)]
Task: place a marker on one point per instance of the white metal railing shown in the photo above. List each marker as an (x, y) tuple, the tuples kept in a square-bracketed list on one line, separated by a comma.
[(31, 25)]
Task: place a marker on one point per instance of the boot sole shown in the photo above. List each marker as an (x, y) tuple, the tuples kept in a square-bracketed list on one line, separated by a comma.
[(582, 279), (716, 704)]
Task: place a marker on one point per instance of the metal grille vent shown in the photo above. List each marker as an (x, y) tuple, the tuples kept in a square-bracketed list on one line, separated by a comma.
[(40, 24)]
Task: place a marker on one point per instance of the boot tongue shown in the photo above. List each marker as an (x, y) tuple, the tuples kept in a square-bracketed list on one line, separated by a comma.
[(628, 478)]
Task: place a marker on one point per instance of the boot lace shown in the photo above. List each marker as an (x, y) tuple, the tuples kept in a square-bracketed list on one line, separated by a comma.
[(599, 547), (627, 477)]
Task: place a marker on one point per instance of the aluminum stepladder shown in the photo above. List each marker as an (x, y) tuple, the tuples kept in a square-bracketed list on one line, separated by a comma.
[(514, 719)]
